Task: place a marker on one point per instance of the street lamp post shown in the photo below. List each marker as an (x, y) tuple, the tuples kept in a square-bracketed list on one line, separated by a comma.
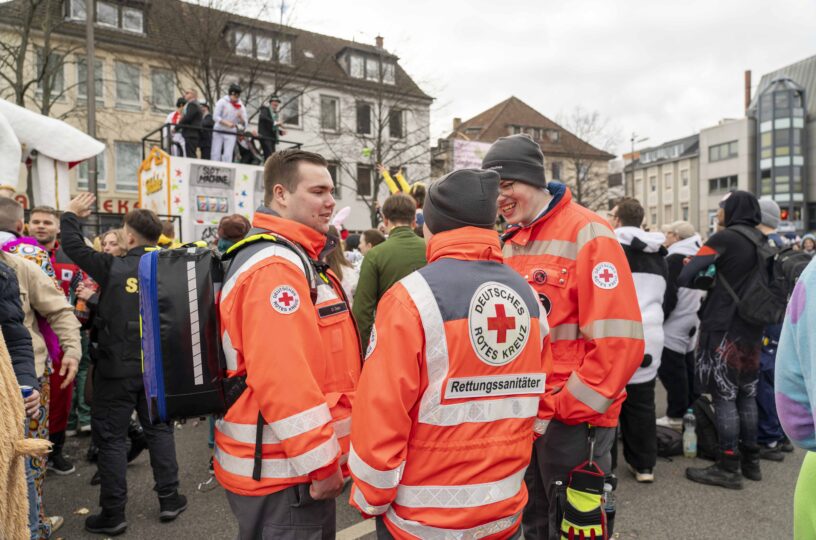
[(90, 90)]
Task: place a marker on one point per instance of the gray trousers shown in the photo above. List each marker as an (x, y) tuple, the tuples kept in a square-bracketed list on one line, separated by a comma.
[(555, 454), (290, 514)]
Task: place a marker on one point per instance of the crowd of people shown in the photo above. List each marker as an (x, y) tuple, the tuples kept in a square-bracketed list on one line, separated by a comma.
[(222, 133), (469, 365)]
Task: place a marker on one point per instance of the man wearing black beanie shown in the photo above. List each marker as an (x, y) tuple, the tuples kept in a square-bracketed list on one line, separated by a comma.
[(458, 355), (572, 259)]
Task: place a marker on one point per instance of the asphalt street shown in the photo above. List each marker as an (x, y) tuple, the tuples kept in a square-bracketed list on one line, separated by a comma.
[(671, 508)]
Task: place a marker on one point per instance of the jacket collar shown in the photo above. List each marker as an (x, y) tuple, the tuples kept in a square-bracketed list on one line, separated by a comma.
[(465, 244), (309, 239), (401, 230), (562, 196), (688, 246)]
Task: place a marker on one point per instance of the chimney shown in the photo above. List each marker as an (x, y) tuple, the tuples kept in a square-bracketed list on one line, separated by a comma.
[(747, 88), (456, 123), (379, 42)]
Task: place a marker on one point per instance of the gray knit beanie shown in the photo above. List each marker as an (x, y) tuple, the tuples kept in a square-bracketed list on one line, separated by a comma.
[(463, 198), (770, 213), (517, 157)]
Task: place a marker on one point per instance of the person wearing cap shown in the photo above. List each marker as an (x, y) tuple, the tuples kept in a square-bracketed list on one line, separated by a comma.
[(269, 126), (451, 392), (230, 116), (771, 438), (190, 123), (174, 137), (681, 325), (575, 264)]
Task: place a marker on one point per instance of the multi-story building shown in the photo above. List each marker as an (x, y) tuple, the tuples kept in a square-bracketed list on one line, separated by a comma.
[(349, 101), (726, 164), (567, 158), (665, 179)]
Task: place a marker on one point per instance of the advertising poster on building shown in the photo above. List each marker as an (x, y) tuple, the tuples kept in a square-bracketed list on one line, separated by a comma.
[(154, 182), (468, 154)]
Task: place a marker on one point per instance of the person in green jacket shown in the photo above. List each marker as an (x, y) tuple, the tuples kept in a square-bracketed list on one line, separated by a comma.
[(385, 264)]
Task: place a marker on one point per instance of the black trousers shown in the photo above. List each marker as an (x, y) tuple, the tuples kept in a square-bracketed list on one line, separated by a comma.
[(676, 372), (268, 148), (637, 425), (190, 146), (114, 400)]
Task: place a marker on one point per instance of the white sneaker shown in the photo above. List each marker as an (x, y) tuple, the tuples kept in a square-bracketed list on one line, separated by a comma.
[(85, 428), (669, 422), (71, 433), (643, 476), (56, 522)]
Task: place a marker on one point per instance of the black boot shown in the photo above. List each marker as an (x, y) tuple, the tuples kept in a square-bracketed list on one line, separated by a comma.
[(171, 505), (110, 521), (725, 472), (138, 441), (56, 461), (750, 462)]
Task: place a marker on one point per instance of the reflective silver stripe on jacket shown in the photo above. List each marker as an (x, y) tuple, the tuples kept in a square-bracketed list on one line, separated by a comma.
[(370, 509), (291, 467), (435, 533), (463, 496), (230, 354), (609, 328), (371, 476), (591, 231), (431, 410), (555, 248), (269, 251), (586, 395), (275, 432), (540, 426), (564, 332), (342, 427)]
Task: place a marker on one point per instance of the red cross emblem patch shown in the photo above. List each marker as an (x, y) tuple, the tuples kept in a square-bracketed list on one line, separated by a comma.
[(605, 275), (499, 323), (285, 299)]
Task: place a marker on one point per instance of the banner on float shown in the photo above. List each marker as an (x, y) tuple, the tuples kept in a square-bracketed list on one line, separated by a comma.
[(468, 154)]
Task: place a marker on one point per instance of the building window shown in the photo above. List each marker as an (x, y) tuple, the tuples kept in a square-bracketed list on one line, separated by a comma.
[(555, 168), (128, 90), (363, 118), (334, 170), (372, 69), (782, 141), (389, 73), (363, 180), (77, 10), (797, 142), (765, 186), (684, 209), (82, 79), (107, 14), (51, 73), (243, 43), (684, 177), (722, 185), (163, 83), (290, 109), (328, 113), (667, 181), (654, 219), (356, 66), (667, 214), (128, 158), (263, 48), (132, 20), (797, 179), (396, 128), (553, 135), (101, 169), (284, 51), (653, 183), (719, 152)]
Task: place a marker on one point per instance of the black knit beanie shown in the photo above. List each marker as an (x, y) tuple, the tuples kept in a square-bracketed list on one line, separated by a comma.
[(463, 198), (517, 157)]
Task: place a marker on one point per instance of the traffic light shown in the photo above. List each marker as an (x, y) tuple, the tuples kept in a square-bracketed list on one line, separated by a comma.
[(783, 214)]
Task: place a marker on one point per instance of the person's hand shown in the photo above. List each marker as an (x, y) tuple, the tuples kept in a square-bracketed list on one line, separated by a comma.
[(68, 369), (381, 168), (81, 204), (228, 123), (84, 293), (328, 488), (32, 404)]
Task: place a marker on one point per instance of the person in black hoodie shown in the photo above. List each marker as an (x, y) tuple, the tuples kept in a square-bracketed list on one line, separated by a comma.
[(727, 363)]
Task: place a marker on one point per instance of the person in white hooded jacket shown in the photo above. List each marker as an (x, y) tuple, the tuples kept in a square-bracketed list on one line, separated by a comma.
[(645, 253), (681, 326)]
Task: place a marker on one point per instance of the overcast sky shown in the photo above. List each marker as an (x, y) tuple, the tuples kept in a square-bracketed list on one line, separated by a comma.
[(663, 69)]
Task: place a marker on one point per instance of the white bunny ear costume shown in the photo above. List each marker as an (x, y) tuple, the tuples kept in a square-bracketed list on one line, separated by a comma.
[(10, 155), (341, 216), (58, 146)]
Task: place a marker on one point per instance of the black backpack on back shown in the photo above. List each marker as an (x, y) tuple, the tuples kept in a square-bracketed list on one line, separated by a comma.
[(788, 266), (765, 296)]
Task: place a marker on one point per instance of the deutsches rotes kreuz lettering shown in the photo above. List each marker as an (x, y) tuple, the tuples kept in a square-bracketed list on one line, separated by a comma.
[(498, 323)]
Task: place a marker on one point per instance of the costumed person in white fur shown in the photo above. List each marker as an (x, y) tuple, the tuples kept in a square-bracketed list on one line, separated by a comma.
[(229, 115), (645, 253), (681, 326)]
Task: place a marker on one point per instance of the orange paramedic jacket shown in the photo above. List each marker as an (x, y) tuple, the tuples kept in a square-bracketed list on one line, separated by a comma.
[(573, 260), (447, 406), (302, 363)]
